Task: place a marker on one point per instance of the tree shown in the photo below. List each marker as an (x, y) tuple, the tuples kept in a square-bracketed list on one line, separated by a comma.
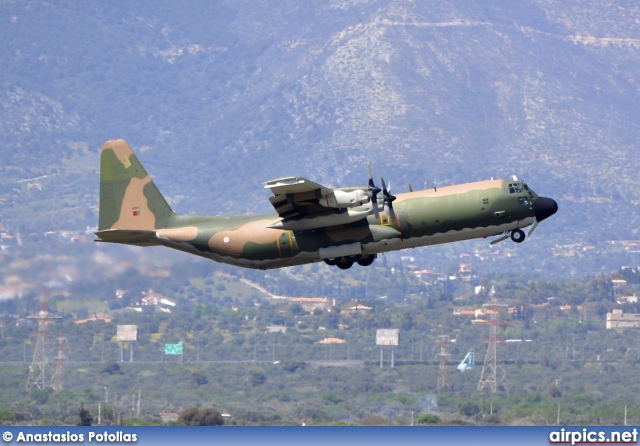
[(6, 415), (374, 420), (112, 368), (428, 418), (84, 417), (193, 416), (40, 396), (296, 309), (198, 379), (293, 365), (257, 378), (555, 392), (469, 408)]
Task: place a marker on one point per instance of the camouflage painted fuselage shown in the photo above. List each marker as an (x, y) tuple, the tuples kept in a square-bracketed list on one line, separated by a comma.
[(132, 211)]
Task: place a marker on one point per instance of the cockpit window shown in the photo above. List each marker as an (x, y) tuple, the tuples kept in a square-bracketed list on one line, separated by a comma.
[(517, 188), (523, 200)]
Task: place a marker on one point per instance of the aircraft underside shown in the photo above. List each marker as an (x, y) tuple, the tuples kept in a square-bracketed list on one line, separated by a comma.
[(369, 251)]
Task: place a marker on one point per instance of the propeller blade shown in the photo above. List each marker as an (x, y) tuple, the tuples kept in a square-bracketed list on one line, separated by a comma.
[(392, 214), (388, 199), (410, 188), (373, 193), (533, 228), (370, 175)]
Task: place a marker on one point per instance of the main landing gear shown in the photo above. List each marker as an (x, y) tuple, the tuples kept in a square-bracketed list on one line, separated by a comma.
[(347, 262)]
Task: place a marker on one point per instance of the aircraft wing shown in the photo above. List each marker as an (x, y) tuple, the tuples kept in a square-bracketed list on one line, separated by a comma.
[(296, 196), (304, 204)]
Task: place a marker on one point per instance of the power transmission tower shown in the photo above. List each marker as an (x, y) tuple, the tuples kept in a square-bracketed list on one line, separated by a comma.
[(443, 343), (491, 372), (57, 380), (38, 367)]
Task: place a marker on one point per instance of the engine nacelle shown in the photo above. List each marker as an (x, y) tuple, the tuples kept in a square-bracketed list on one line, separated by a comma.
[(341, 199)]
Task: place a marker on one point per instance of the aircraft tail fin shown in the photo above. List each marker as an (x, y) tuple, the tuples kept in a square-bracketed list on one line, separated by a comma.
[(128, 197)]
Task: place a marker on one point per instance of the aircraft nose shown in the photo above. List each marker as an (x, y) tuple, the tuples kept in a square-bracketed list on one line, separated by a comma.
[(544, 207)]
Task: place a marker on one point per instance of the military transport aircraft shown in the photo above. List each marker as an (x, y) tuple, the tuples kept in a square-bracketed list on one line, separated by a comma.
[(340, 226)]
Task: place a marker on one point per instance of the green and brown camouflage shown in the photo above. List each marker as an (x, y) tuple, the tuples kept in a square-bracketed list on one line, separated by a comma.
[(313, 223)]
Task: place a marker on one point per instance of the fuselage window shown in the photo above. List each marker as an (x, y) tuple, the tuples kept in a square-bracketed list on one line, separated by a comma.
[(523, 200)]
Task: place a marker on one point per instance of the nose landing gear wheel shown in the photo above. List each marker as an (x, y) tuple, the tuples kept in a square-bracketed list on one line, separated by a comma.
[(517, 235)]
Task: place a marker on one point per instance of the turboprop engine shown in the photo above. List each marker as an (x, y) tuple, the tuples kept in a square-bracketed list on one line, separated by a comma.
[(342, 199)]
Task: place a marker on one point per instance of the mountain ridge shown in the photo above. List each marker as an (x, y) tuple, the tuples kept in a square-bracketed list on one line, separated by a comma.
[(435, 92)]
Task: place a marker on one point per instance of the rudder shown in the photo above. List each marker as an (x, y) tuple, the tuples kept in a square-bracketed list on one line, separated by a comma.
[(128, 197)]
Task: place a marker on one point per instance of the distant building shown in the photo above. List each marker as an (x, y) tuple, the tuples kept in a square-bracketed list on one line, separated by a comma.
[(477, 313), (151, 298), (169, 417), (94, 318), (618, 282), (427, 272), (311, 303), (617, 319), (566, 308), (358, 308), (628, 299), (332, 341), (464, 312)]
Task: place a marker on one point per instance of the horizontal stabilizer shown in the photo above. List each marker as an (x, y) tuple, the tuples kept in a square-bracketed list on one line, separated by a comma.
[(128, 237)]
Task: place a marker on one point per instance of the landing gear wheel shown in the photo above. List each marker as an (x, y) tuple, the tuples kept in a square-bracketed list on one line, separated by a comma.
[(332, 261), (345, 263), (366, 261), (517, 235)]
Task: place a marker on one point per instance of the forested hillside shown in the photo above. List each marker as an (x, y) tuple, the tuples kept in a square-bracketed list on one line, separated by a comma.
[(274, 361)]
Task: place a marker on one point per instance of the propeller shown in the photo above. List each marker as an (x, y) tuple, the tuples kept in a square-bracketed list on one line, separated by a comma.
[(388, 199), (373, 193)]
